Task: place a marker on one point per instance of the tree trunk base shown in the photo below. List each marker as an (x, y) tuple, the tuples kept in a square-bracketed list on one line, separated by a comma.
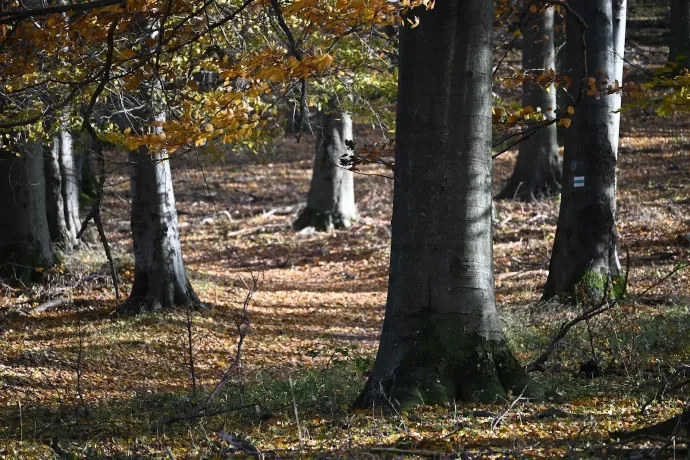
[(676, 426), (139, 304), (530, 192), (321, 221), (488, 373)]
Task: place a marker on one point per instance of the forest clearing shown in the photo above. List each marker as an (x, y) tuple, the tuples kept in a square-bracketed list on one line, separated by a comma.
[(278, 357)]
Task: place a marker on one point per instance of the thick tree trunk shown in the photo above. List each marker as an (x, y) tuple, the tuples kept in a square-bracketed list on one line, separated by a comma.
[(442, 339), (24, 236), (160, 280), (537, 172), (331, 199), (584, 251), (62, 192), (680, 33)]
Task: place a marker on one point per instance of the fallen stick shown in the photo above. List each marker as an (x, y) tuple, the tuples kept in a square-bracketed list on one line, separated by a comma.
[(396, 451), (55, 303), (508, 275)]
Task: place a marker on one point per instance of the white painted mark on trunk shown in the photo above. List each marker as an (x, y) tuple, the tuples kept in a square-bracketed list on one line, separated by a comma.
[(579, 181)]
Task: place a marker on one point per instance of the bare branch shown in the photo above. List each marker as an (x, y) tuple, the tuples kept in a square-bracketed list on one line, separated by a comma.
[(9, 17)]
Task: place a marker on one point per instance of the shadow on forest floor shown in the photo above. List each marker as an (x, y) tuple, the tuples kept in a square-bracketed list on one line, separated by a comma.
[(316, 318)]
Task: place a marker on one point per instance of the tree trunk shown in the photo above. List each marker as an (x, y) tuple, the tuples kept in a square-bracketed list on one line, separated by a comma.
[(24, 236), (584, 251), (620, 10), (331, 198), (537, 172), (55, 206), (160, 280), (62, 192), (676, 426), (680, 33), (442, 340)]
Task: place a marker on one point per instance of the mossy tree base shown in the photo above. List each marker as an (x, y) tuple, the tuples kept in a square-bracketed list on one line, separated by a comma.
[(321, 221), (487, 373)]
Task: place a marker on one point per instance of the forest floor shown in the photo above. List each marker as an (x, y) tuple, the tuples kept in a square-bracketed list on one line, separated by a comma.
[(78, 381), (90, 383)]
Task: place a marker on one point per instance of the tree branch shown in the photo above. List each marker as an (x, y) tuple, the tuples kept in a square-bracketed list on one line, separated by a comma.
[(15, 16)]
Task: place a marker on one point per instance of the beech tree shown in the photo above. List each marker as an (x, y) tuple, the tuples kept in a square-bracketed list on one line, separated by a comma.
[(62, 191), (25, 243), (537, 173), (442, 340), (160, 280), (585, 247), (331, 198)]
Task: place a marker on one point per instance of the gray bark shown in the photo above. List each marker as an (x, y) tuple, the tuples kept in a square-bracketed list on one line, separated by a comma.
[(442, 340), (680, 32), (24, 236), (620, 9), (331, 198), (160, 280), (54, 202), (62, 192), (537, 173), (584, 251)]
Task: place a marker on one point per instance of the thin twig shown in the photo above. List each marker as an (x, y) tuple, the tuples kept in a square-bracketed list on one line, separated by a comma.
[(497, 421), (80, 367), (190, 350), (95, 213), (605, 304), (294, 408), (676, 269)]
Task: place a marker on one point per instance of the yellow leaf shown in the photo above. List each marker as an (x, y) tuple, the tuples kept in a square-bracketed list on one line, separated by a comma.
[(565, 122), (571, 110), (128, 53)]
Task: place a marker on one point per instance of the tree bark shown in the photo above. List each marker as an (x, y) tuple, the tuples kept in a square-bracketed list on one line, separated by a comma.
[(24, 236), (674, 426), (442, 340), (160, 280), (680, 33), (584, 252), (331, 198), (537, 173), (62, 192)]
